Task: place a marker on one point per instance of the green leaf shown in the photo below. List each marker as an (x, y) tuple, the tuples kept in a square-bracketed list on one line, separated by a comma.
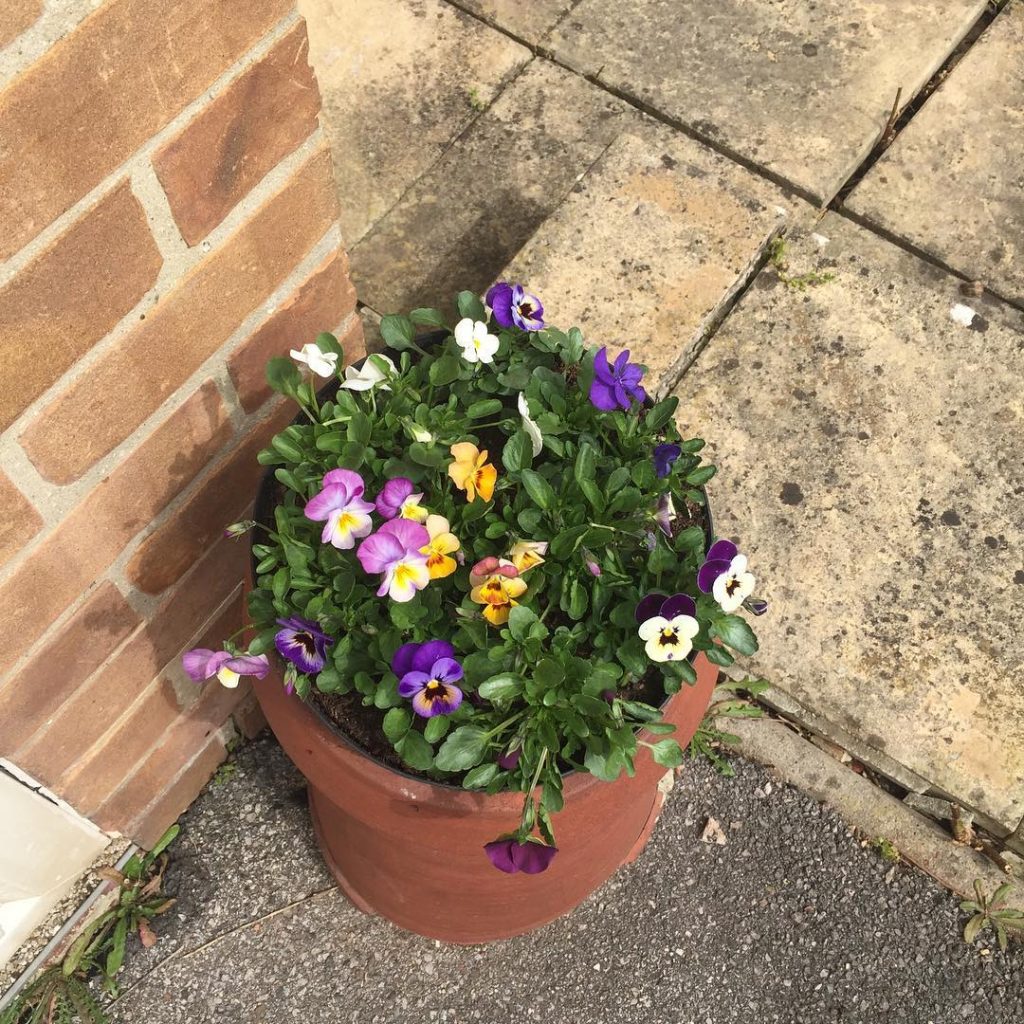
[(520, 619), (501, 687), (116, 955), (566, 543), (661, 413), (735, 632), (444, 370), (424, 317), (397, 723), (701, 475), (640, 711), (397, 331), (667, 753), (606, 767), (719, 656), (538, 489), (481, 410), (518, 452), (327, 342), (464, 748), (480, 776), (436, 728), (283, 376), (586, 464), (386, 695), (285, 446), (579, 600), (470, 305), (415, 751)]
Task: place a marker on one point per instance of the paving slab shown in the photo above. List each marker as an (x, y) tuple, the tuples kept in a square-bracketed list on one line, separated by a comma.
[(792, 921), (868, 433), (801, 89), (399, 79), (467, 216), (952, 183), (651, 245), (531, 20)]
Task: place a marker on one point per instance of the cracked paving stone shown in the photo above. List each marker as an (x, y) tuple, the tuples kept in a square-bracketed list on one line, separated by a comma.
[(952, 183), (801, 89), (868, 440)]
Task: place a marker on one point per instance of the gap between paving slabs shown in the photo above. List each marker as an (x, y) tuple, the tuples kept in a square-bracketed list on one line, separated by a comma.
[(876, 814)]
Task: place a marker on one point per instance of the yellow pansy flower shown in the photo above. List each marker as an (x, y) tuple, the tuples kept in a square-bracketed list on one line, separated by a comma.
[(442, 544), (471, 471)]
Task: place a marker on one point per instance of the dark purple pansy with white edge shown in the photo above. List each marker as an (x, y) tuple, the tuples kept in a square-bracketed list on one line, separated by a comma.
[(427, 674), (667, 626), (303, 643), (513, 306), (724, 575)]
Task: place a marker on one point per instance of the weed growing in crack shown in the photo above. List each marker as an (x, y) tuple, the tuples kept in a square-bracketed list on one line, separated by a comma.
[(709, 739), (992, 912), (800, 282)]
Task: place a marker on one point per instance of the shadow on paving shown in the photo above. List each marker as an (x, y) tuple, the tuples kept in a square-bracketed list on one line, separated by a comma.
[(791, 921)]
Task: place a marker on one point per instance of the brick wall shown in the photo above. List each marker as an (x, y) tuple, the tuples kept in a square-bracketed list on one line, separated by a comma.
[(169, 222)]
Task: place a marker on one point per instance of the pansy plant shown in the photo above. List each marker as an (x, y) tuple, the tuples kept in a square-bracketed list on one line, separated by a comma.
[(489, 537)]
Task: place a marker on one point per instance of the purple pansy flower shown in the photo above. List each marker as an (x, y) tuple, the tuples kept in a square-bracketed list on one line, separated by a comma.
[(201, 663), (513, 306), (396, 552), (303, 643), (398, 499), (510, 855), (340, 507), (664, 456), (616, 386), (427, 674), (667, 626), (724, 575)]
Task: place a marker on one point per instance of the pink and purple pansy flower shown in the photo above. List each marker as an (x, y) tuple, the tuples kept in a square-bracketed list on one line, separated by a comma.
[(664, 455), (510, 855), (341, 508), (303, 643), (667, 626), (201, 663), (396, 552), (398, 499), (724, 575), (513, 306), (616, 386), (427, 674)]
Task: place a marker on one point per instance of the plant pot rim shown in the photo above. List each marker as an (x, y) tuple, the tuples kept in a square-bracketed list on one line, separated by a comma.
[(263, 514)]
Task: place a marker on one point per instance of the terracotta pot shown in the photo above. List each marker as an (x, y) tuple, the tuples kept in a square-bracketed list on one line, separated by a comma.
[(412, 850)]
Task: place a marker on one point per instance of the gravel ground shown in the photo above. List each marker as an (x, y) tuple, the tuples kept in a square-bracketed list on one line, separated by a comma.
[(793, 920)]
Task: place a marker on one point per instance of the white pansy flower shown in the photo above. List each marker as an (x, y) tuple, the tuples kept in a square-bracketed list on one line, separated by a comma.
[(734, 585), (531, 428), (323, 364), (477, 345), (668, 639), (370, 375)]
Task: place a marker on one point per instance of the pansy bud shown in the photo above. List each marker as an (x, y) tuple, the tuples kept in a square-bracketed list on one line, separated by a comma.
[(755, 605), (593, 566), (239, 529), (291, 674), (417, 432)]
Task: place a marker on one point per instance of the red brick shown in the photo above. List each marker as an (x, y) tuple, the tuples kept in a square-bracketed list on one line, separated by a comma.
[(95, 532), (101, 699), (104, 90), (149, 781), (132, 380), (249, 718), (168, 551), (146, 826), (16, 16), (38, 691), (71, 295), (91, 780), (320, 303), (234, 141), (20, 521)]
